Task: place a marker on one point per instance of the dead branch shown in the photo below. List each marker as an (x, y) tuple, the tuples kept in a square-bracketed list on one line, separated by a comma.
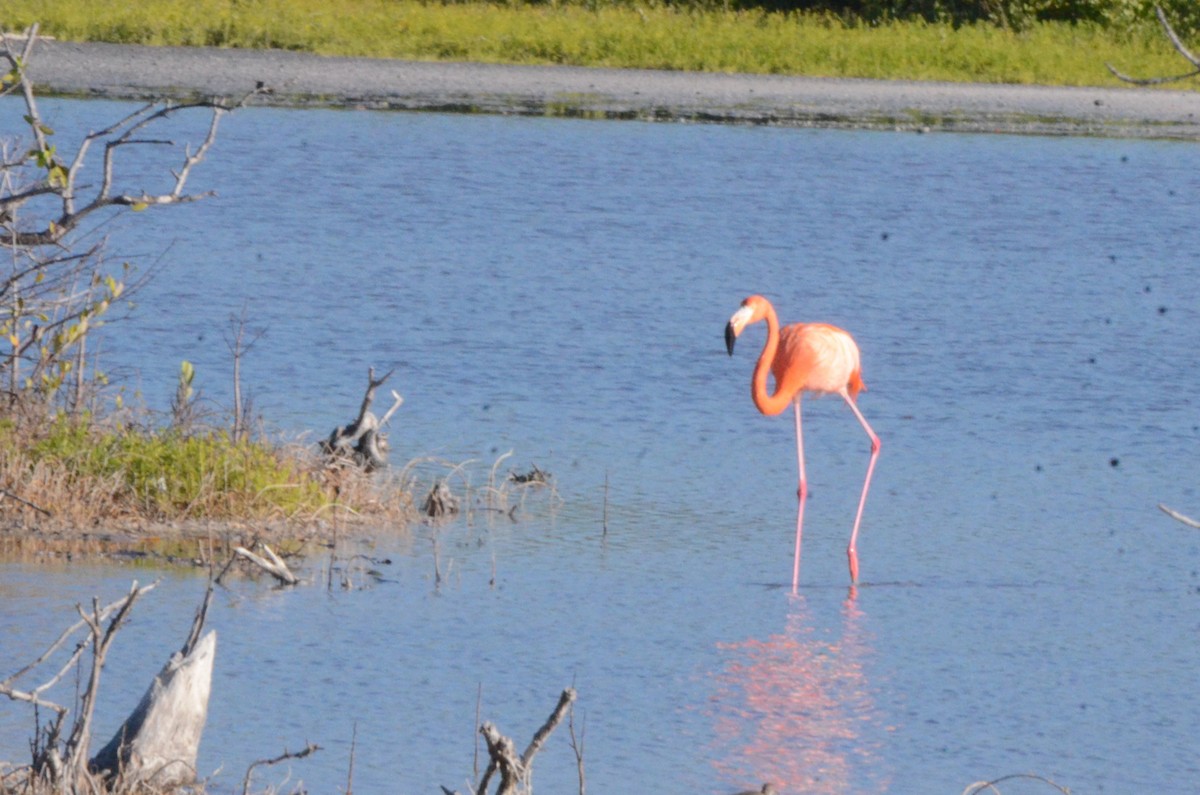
[(362, 440), (1176, 515), (272, 564), (577, 748), (61, 178), (1180, 48), (513, 769), (34, 696), (539, 738), (6, 493), (102, 638), (309, 749), (980, 786)]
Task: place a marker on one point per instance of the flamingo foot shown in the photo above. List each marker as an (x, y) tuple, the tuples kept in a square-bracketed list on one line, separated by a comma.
[(853, 556)]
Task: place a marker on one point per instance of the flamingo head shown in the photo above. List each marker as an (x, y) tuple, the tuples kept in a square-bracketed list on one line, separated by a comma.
[(752, 310)]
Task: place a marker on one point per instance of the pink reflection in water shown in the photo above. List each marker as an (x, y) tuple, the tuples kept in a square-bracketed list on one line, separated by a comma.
[(796, 709)]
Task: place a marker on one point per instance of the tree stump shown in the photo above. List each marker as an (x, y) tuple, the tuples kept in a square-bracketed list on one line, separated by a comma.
[(362, 441), (160, 740)]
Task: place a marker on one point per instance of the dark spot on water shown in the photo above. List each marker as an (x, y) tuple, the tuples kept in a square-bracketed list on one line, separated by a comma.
[(1114, 462), (1146, 289), (1091, 360), (883, 236), (1124, 158), (1162, 310), (1037, 468)]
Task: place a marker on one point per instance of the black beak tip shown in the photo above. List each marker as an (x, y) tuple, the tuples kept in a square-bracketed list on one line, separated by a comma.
[(730, 338)]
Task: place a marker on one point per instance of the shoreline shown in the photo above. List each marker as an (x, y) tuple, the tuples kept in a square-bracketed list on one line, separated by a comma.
[(301, 80)]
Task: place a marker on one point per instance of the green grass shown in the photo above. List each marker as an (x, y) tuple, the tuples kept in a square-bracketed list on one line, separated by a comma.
[(617, 35), (82, 471)]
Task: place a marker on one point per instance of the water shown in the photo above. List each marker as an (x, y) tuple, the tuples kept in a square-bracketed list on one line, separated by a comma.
[(1026, 310)]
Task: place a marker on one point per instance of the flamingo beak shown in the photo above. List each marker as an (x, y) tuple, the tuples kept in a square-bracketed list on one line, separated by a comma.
[(736, 323)]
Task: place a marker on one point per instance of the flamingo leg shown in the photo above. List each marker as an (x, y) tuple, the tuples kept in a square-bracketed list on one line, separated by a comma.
[(851, 552), (801, 495)]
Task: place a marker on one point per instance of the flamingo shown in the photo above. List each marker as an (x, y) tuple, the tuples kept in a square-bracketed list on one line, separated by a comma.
[(805, 357)]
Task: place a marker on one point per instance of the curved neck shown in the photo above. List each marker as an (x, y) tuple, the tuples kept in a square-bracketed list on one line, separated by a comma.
[(767, 403)]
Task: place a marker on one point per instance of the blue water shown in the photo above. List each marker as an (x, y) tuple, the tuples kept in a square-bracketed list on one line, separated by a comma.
[(1026, 310)]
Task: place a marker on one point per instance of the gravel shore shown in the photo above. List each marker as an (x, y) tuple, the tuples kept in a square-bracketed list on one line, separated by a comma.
[(301, 80)]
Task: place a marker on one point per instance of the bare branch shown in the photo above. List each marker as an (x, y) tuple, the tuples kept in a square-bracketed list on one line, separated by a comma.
[(539, 738), (309, 749), (5, 685), (980, 786), (274, 566), (6, 493), (1187, 520), (1180, 48)]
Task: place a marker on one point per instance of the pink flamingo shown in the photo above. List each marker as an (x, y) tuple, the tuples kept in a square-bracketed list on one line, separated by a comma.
[(805, 357)]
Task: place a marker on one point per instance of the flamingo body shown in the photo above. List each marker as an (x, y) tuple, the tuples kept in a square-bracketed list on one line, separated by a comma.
[(805, 357)]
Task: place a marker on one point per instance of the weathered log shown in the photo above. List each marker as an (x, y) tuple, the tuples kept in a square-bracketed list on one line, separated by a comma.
[(514, 769), (272, 564), (362, 441), (158, 743)]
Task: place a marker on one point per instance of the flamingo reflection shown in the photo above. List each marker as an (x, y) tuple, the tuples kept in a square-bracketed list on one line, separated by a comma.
[(796, 709)]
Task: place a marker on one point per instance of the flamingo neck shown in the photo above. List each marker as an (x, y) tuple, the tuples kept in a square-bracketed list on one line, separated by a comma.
[(768, 403)]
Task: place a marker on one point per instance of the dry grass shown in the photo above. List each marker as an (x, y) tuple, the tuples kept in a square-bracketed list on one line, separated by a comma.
[(79, 488)]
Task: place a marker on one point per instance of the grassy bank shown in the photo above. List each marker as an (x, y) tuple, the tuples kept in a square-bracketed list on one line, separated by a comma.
[(651, 36), (80, 474)]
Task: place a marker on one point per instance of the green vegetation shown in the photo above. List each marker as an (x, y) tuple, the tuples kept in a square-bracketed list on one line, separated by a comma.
[(1062, 42), (92, 474)]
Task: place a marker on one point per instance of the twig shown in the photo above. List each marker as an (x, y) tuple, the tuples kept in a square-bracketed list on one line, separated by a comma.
[(605, 533), (1177, 43), (478, 709), (309, 749), (577, 748), (6, 493), (399, 401), (980, 786), (1187, 520), (350, 772), (33, 695)]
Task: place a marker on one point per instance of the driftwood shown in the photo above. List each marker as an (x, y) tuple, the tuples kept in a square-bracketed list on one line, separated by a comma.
[(1179, 517), (513, 769), (272, 564), (158, 743), (362, 441)]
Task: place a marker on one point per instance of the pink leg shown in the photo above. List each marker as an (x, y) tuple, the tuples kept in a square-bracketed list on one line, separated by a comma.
[(851, 552), (801, 494)]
